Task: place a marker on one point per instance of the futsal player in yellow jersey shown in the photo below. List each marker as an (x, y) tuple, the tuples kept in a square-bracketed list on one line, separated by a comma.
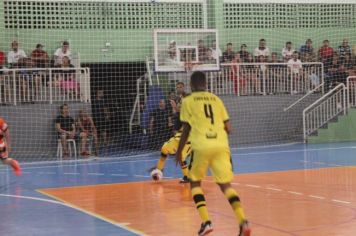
[(170, 147), (206, 122)]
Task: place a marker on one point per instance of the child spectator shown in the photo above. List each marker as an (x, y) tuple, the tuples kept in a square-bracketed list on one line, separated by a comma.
[(61, 52)]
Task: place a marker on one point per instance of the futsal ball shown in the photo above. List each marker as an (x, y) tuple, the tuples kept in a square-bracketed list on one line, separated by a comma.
[(156, 175)]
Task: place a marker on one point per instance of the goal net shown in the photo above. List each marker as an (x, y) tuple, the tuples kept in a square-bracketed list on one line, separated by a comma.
[(119, 63)]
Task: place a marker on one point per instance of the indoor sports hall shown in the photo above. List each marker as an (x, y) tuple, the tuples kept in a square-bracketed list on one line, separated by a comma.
[(91, 92)]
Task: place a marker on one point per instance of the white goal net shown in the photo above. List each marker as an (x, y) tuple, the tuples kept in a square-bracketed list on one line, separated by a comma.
[(119, 62)]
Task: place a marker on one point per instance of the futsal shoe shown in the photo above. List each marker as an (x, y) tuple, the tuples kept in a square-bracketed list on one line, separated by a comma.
[(16, 167), (244, 229), (184, 180), (205, 228)]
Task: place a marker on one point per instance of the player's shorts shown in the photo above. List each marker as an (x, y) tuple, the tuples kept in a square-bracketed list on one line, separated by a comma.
[(3, 152), (218, 160), (171, 146)]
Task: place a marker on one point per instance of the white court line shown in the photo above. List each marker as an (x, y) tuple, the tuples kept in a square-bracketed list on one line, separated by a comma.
[(119, 174), (76, 173), (318, 197), (339, 201), (295, 193), (145, 176), (274, 189), (96, 174), (119, 225), (252, 186)]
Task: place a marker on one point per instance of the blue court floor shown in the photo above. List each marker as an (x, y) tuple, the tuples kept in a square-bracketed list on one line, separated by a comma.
[(26, 211)]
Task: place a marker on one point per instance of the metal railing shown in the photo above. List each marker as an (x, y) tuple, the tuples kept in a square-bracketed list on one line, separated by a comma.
[(141, 98), (33, 85), (324, 109), (351, 91), (265, 78)]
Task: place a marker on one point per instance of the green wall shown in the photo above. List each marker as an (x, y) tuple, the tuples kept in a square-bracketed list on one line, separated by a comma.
[(132, 41), (341, 131)]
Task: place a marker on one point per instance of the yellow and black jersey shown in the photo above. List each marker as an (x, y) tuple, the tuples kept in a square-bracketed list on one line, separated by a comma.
[(206, 114)]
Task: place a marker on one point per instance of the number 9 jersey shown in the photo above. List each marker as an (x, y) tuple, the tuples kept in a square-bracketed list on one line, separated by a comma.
[(206, 114)]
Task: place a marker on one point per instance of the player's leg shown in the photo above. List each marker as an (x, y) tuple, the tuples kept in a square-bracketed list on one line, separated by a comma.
[(221, 168), (83, 144), (9, 161), (197, 170), (184, 165)]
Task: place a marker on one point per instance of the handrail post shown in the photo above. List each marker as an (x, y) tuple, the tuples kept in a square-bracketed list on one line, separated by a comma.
[(50, 87), (14, 84)]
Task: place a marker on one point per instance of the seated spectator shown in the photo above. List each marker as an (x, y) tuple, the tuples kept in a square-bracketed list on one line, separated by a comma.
[(66, 79), (347, 61), (209, 59), (27, 79), (61, 52), (295, 69), (159, 129), (15, 55), (101, 116), (344, 49), (236, 76), (307, 48), (326, 53), (261, 50), (229, 54), (243, 53), (39, 57), (287, 51), (86, 129), (216, 52), (65, 128)]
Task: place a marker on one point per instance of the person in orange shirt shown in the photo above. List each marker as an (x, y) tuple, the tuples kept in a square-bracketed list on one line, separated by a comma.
[(5, 148)]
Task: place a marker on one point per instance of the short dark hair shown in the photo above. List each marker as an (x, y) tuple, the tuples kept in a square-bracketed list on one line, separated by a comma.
[(65, 43), (180, 83), (198, 79), (62, 106)]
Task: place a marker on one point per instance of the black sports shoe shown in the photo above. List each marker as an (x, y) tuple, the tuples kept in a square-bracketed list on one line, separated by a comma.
[(244, 229), (205, 228), (184, 180)]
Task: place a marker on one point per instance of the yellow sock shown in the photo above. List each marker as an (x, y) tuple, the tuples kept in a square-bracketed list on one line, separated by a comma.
[(235, 203), (199, 199), (184, 167), (161, 162)]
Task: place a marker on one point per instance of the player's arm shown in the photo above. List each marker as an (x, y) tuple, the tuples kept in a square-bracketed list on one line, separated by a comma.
[(227, 126), (182, 141)]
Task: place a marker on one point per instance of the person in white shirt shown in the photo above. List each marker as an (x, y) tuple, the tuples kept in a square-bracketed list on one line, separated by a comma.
[(287, 52), (216, 52), (61, 52), (15, 55), (261, 50), (295, 66)]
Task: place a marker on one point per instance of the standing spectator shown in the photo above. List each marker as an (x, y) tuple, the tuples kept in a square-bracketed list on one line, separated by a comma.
[(15, 55), (344, 49), (2, 61), (61, 52), (243, 53), (202, 50), (295, 67), (172, 50), (159, 129), (261, 50), (5, 148), (3, 90), (307, 48), (326, 53), (67, 81), (287, 51), (87, 130), (236, 76), (101, 116), (65, 128), (216, 52), (229, 54), (39, 57)]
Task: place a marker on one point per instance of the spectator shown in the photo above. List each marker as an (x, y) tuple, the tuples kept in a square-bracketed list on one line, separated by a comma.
[(101, 116), (65, 128), (347, 61), (2, 61), (61, 52), (159, 129), (210, 59), (172, 50), (86, 129), (229, 54), (4, 88), (287, 52), (275, 82), (261, 50), (39, 57), (326, 53), (216, 52), (307, 48), (236, 76), (26, 78), (243, 53), (295, 67), (202, 50), (344, 49), (66, 79), (15, 55)]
